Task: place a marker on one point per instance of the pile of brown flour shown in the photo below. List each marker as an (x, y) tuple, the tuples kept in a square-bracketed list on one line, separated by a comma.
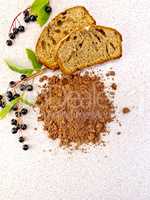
[(75, 109)]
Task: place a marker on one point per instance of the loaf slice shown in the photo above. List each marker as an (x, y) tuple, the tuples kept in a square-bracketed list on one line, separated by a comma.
[(88, 46), (63, 24)]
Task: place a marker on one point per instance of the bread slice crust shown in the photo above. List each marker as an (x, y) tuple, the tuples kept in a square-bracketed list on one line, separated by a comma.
[(42, 53), (70, 70)]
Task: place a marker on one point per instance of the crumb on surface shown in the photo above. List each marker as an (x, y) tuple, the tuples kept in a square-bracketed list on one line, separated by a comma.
[(125, 110), (43, 78), (114, 86), (111, 73)]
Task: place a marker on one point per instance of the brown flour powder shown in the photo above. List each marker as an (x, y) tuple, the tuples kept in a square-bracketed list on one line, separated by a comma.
[(75, 109)]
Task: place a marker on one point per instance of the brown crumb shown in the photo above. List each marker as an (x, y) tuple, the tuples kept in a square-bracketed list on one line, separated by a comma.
[(111, 73), (35, 129), (76, 109), (43, 78), (114, 86), (125, 110)]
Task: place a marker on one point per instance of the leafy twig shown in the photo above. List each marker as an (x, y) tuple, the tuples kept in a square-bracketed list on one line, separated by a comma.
[(40, 72), (18, 69)]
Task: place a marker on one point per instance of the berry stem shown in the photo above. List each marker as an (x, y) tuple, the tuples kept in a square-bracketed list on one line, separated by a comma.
[(16, 18), (42, 71), (14, 21)]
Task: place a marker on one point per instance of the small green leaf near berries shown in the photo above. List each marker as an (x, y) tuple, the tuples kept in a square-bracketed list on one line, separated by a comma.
[(19, 69), (32, 57), (8, 108), (38, 9)]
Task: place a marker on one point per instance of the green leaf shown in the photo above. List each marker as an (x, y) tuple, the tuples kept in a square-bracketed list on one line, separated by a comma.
[(19, 69), (8, 108), (36, 5), (38, 9), (32, 57), (27, 102)]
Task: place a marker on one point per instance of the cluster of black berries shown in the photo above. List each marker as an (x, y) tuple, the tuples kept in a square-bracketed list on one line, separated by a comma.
[(17, 126), (10, 95), (27, 18), (14, 31), (12, 35)]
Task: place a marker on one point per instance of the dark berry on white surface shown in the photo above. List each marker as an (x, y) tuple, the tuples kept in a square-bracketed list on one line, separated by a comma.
[(9, 42), (27, 19), (15, 108), (12, 83), (23, 76), (14, 130), (22, 87), (15, 31), (21, 28), (24, 111), (25, 147), (21, 139), (12, 36), (23, 126), (9, 94), (17, 114), (26, 13), (29, 88), (14, 122)]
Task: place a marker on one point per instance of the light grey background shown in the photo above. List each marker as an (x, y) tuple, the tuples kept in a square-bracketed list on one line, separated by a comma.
[(119, 171)]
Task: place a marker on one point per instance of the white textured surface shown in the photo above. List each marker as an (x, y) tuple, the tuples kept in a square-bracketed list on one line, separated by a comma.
[(121, 170)]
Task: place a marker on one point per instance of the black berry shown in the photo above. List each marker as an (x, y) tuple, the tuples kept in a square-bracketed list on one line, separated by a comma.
[(48, 9), (21, 28), (23, 76), (29, 88), (24, 111), (26, 13), (18, 126), (23, 126), (14, 130), (27, 19), (1, 97), (9, 94), (1, 103), (21, 139), (15, 31), (25, 147), (12, 83), (9, 42), (15, 108), (22, 87), (32, 18), (12, 36), (18, 114), (14, 122), (16, 95), (10, 99)]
